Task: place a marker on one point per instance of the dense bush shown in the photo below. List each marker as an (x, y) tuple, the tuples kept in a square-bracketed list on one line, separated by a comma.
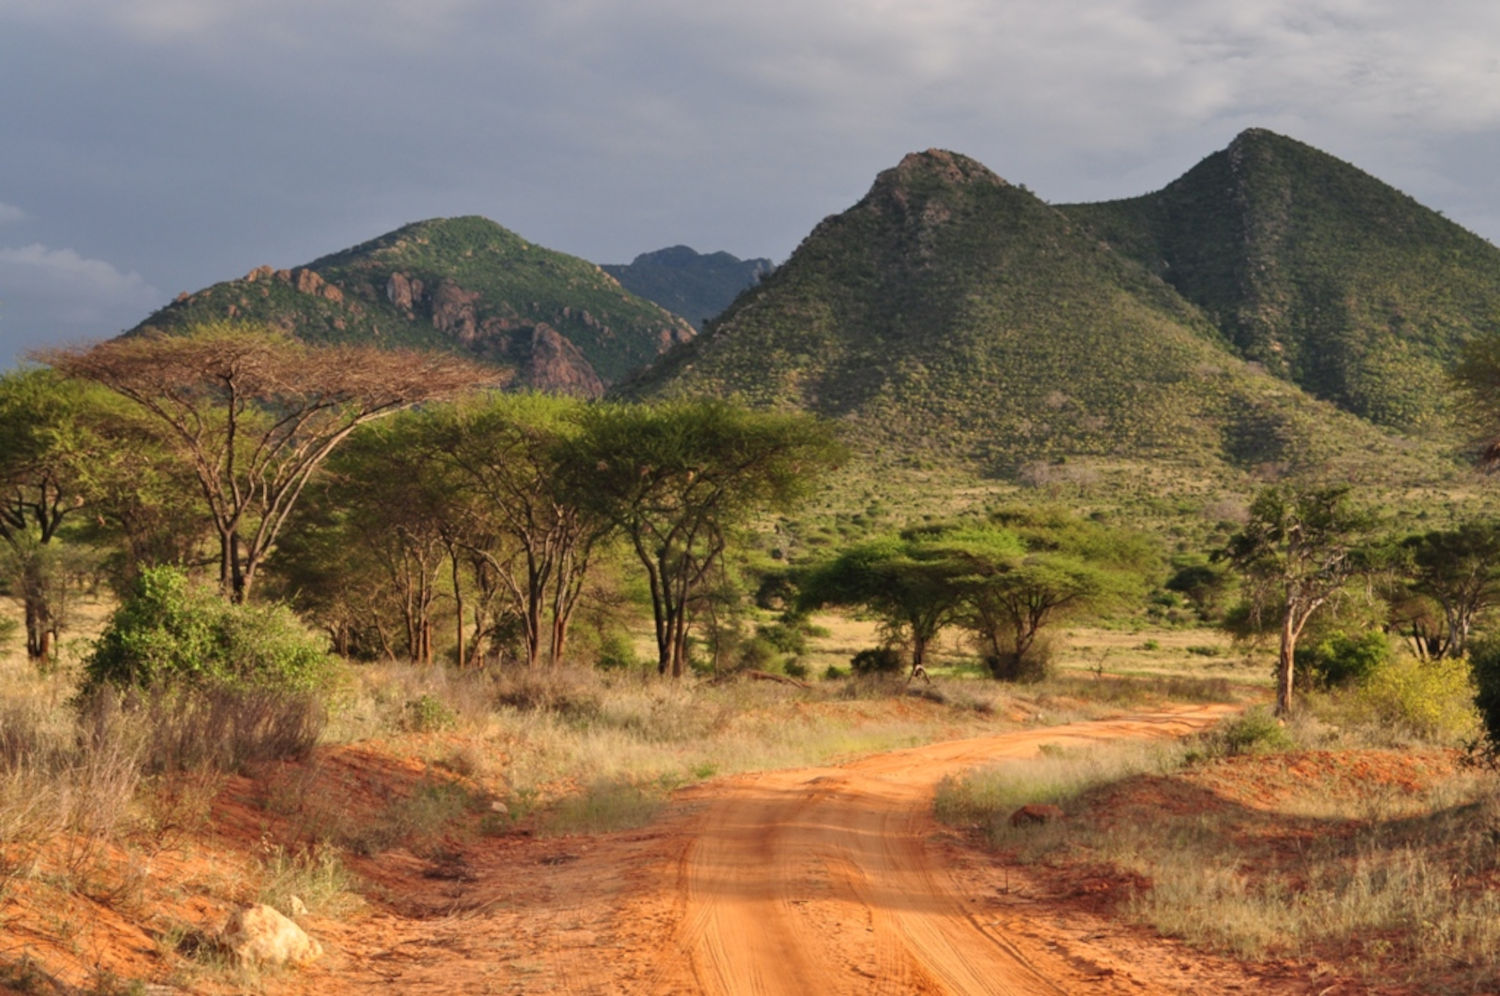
[(171, 632), (876, 660), (1430, 700), (1341, 659), (1034, 664)]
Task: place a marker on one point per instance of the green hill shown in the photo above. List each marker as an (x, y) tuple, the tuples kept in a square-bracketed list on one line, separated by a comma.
[(952, 314), (464, 284), (696, 285), (1317, 270)]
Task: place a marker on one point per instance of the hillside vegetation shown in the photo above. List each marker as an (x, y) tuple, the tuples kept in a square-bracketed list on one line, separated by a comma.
[(463, 284), (1320, 272), (954, 315)]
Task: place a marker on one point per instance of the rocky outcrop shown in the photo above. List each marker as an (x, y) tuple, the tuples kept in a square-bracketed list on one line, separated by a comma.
[(304, 280), (550, 363), (402, 291), (453, 312)]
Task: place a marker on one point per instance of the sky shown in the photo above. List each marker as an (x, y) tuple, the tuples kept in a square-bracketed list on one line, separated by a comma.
[(149, 147)]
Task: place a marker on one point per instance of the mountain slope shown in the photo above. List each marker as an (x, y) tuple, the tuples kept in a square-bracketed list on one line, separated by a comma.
[(951, 312), (1317, 270), (695, 285), (465, 284)]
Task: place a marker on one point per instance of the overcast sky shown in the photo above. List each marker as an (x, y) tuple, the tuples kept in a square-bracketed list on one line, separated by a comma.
[(153, 146)]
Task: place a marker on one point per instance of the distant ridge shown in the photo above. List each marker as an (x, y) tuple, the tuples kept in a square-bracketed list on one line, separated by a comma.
[(697, 286), (952, 313), (463, 284), (1317, 270)]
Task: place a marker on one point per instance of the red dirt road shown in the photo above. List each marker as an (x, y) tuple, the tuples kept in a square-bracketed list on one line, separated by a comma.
[(810, 881)]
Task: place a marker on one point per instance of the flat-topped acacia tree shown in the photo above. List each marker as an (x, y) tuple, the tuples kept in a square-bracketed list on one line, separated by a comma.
[(254, 412)]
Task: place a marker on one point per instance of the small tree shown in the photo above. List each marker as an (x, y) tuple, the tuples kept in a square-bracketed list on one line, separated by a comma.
[(53, 451), (1459, 569), (1296, 554), (254, 413), (677, 478), (914, 582)]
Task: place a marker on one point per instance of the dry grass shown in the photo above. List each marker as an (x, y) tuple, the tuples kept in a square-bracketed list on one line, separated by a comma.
[(1370, 859)]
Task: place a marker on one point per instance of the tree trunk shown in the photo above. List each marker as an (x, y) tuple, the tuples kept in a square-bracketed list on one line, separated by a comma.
[(1284, 661)]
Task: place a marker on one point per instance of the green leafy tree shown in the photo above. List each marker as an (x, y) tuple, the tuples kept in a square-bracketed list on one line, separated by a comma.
[(371, 545), (1459, 570), (678, 478), (915, 582), (1298, 552), (527, 537), (1069, 565), (52, 449)]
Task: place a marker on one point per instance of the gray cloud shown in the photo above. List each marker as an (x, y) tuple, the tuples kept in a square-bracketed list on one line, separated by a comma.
[(189, 140), (55, 295)]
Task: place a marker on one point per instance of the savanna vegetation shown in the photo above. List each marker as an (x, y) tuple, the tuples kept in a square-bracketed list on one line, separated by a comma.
[(1056, 485)]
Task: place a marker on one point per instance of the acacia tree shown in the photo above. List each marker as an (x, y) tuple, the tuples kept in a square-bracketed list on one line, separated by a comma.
[(1297, 553), (513, 513), (1459, 569), (676, 478), (50, 447), (254, 413), (916, 582)]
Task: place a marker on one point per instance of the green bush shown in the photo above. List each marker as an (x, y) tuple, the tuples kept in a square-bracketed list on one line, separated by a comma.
[(1255, 731), (1034, 665), (1341, 659), (785, 638), (876, 660), (426, 714), (170, 632), (617, 652)]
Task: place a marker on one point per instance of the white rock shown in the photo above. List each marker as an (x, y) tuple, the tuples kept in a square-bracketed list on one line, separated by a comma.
[(260, 934)]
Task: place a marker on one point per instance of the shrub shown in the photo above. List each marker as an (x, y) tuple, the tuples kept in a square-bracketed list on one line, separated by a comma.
[(876, 660), (787, 639), (1430, 700), (758, 653), (171, 632), (1341, 659), (1035, 664), (1255, 731), (426, 714), (616, 652)]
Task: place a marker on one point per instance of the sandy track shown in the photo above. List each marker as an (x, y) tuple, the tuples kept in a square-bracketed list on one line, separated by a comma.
[(827, 880)]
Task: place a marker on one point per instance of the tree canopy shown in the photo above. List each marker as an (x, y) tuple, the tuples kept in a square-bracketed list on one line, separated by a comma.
[(677, 478), (255, 412)]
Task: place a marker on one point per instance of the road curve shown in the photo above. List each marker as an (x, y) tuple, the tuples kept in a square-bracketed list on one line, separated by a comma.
[(827, 880)]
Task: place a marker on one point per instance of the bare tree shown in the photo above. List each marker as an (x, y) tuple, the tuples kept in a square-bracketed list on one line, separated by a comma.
[(254, 412)]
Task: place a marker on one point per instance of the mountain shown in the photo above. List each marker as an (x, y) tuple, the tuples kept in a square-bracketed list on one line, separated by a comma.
[(952, 313), (1320, 272), (464, 284), (694, 285)]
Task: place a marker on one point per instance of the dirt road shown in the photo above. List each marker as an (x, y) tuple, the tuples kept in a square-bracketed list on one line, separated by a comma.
[(811, 881)]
